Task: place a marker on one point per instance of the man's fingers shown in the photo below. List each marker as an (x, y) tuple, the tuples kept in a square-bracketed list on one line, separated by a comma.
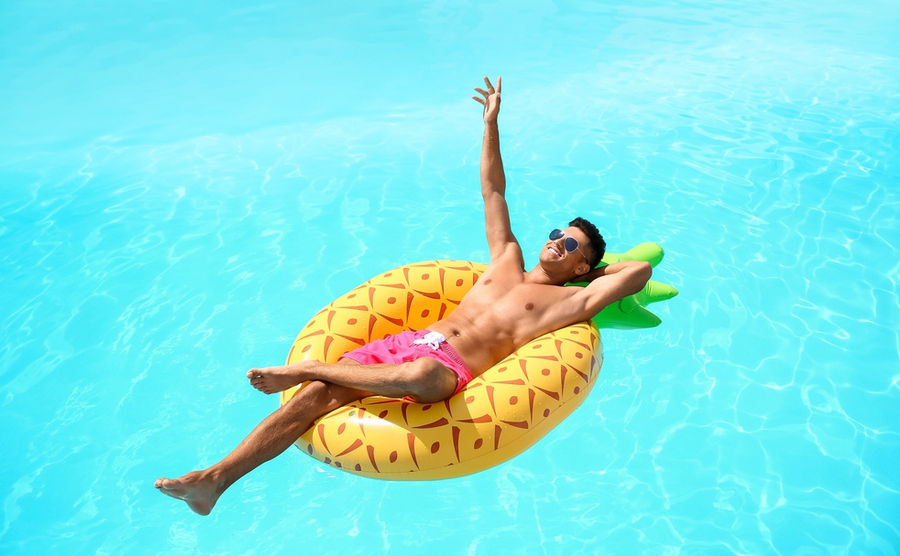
[(489, 92), (487, 83)]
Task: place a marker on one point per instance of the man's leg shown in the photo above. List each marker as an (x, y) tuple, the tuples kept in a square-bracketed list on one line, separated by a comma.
[(274, 435), (425, 380)]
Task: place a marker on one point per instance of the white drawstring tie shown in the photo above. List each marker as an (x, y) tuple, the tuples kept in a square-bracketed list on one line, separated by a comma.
[(433, 339)]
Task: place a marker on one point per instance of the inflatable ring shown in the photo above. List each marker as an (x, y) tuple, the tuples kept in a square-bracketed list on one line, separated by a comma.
[(495, 417)]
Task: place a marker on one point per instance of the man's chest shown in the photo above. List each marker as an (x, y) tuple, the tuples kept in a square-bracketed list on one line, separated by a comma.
[(512, 299)]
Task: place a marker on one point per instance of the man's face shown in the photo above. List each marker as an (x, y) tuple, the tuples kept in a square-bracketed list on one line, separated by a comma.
[(557, 253)]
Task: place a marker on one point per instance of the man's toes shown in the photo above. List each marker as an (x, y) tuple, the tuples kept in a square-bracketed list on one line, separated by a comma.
[(165, 485)]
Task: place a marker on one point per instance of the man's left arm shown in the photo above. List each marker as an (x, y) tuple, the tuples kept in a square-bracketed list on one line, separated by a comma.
[(609, 284)]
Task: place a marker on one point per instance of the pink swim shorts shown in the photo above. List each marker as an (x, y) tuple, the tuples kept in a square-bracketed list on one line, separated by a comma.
[(409, 346)]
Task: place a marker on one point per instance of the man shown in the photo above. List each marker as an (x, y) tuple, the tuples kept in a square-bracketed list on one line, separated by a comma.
[(504, 310)]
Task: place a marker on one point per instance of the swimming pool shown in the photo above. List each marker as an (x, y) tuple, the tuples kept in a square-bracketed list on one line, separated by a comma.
[(183, 186)]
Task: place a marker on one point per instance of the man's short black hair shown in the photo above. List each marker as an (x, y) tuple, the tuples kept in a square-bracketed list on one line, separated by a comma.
[(598, 244)]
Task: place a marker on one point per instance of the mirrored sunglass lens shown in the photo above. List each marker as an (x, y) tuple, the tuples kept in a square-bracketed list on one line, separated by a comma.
[(556, 234), (571, 244)]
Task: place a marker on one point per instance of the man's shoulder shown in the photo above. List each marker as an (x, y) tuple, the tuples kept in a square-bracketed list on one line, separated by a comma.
[(508, 268), (508, 258)]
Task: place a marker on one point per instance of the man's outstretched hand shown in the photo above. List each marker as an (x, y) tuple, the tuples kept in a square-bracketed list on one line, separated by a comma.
[(491, 100)]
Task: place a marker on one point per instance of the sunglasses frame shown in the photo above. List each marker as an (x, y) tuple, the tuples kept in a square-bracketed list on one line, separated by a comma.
[(559, 233)]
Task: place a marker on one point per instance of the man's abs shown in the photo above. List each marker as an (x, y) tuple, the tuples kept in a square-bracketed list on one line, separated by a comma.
[(481, 347), (492, 322)]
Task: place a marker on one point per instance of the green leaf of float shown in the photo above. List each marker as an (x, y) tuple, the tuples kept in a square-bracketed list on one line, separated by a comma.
[(630, 313)]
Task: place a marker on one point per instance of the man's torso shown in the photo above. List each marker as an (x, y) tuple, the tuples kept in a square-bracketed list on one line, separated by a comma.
[(502, 312)]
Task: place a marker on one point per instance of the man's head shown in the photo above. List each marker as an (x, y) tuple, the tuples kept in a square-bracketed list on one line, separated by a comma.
[(597, 243), (573, 251)]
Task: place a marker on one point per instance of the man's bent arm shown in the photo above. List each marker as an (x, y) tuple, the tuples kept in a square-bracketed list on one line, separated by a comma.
[(611, 283), (493, 179)]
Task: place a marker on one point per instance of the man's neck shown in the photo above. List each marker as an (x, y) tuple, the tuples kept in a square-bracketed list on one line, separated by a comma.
[(540, 275)]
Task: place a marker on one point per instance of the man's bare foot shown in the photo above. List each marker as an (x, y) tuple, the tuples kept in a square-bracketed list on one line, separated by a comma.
[(198, 489), (269, 380)]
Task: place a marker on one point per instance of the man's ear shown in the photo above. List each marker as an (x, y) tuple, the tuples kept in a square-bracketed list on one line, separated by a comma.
[(582, 269)]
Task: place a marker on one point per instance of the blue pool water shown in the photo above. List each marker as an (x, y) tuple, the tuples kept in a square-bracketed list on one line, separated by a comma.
[(182, 186)]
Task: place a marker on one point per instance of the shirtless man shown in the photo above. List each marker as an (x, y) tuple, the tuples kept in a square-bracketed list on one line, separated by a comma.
[(505, 309)]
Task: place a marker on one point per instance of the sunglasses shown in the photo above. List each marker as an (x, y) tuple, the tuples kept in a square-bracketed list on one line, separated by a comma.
[(571, 243)]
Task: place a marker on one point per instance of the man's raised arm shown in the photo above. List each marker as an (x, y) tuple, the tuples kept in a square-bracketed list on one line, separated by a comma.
[(493, 180)]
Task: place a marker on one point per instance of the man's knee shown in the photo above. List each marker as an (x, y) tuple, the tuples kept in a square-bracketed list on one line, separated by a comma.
[(321, 394), (311, 392), (429, 381)]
